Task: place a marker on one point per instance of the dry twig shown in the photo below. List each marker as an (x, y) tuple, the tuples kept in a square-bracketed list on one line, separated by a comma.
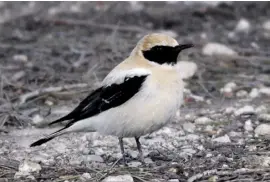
[(25, 97)]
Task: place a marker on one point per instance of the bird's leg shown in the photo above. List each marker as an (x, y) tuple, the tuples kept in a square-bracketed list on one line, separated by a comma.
[(139, 147), (122, 149)]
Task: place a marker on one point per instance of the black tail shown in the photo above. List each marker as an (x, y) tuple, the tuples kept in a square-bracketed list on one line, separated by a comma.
[(41, 141), (48, 138)]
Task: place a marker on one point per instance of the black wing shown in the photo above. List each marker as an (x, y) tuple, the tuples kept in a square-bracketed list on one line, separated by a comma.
[(104, 98)]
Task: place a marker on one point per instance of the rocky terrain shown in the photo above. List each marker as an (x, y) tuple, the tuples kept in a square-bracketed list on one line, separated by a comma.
[(53, 53)]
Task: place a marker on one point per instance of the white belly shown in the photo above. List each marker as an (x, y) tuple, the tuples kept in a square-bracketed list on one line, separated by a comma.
[(136, 118)]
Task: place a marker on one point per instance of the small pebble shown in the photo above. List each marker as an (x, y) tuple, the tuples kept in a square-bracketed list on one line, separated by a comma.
[(173, 180), (20, 57), (235, 134), (120, 178), (265, 161), (244, 110), (266, 25), (222, 139), (265, 91), (211, 49), (148, 160), (254, 93), (264, 117), (93, 158), (27, 167), (189, 127), (263, 129), (203, 120), (85, 176), (261, 110), (136, 6), (229, 110), (49, 103), (134, 164), (37, 119), (243, 26), (241, 94)]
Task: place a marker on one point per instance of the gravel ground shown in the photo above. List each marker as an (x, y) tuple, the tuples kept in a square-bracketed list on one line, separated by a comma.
[(59, 51)]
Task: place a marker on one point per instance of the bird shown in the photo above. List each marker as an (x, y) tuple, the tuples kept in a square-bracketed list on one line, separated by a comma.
[(137, 97)]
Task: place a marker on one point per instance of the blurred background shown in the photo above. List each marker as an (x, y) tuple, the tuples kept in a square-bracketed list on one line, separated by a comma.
[(53, 53)]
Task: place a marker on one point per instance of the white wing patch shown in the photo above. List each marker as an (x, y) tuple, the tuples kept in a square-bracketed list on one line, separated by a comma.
[(118, 76)]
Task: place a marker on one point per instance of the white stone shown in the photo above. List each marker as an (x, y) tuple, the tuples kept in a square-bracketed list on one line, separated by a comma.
[(248, 125), (133, 153), (266, 25), (265, 161), (254, 93), (211, 49), (189, 117), (26, 167), (229, 110), (209, 128), (235, 134), (241, 93), (37, 119), (203, 120), (136, 6), (148, 160), (244, 110), (242, 26), (86, 176), (231, 35), (261, 109), (255, 45), (222, 139), (134, 164), (20, 57), (189, 127), (231, 85), (265, 91), (75, 8), (93, 158), (49, 102), (173, 180), (120, 178), (264, 117), (263, 129)]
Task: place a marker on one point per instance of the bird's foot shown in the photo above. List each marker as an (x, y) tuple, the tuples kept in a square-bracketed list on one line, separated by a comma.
[(141, 158)]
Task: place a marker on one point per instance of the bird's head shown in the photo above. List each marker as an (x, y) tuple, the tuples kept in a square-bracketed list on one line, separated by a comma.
[(159, 48)]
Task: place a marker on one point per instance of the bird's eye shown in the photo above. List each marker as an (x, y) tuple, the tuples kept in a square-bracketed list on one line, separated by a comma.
[(157, 48)]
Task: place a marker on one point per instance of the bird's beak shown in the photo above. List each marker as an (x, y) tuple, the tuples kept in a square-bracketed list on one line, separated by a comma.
[(179, 48)]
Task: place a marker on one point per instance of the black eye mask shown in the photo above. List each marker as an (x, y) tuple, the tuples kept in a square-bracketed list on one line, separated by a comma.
[(165, 54)]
